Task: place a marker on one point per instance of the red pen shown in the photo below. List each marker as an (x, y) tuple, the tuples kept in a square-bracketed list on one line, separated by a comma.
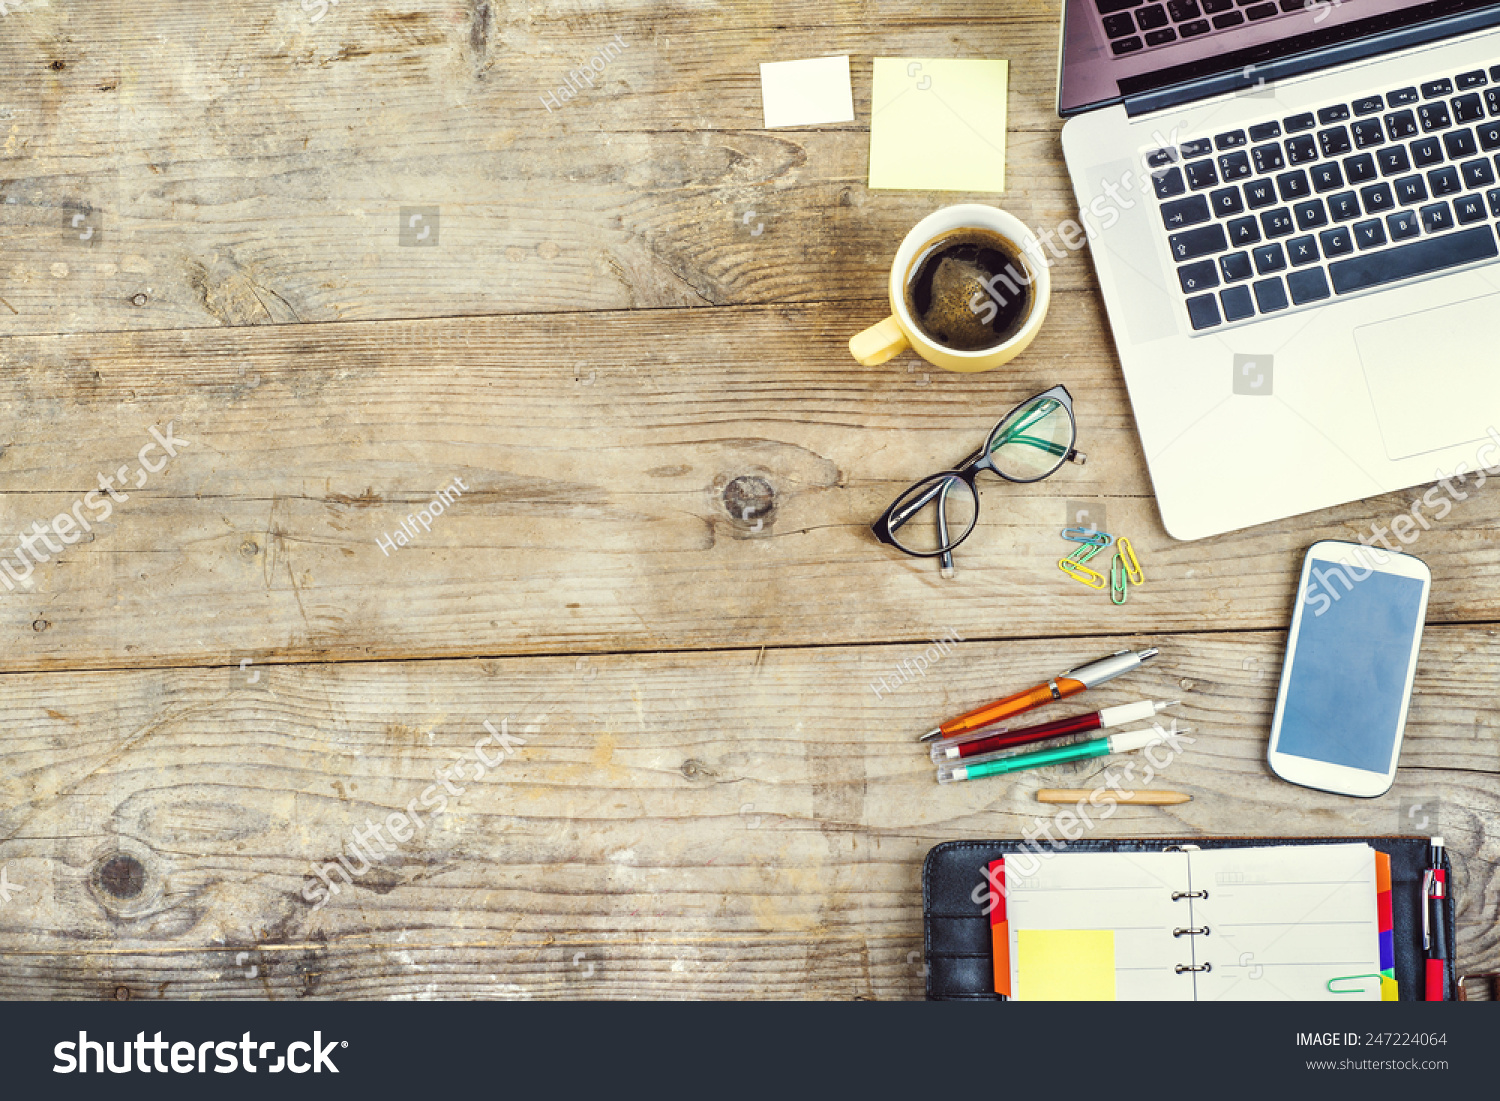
[(970, 745), (1434, 925)]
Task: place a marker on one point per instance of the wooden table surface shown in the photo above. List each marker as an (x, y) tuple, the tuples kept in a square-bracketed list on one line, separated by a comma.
[(628, 341)]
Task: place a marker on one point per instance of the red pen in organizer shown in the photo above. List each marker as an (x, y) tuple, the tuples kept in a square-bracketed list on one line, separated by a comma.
[(1435, 925), (970, 745)]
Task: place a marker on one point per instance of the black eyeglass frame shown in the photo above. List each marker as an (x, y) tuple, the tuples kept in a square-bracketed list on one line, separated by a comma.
[(968, 471)]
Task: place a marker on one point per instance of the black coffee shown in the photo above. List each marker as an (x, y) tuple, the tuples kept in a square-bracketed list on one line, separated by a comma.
[(969, 290)]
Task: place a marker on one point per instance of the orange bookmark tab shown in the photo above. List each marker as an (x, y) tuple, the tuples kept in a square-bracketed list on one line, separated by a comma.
[(1000, 928)]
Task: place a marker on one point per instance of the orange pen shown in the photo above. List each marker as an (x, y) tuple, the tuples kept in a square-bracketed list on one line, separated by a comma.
[(1060, 687)]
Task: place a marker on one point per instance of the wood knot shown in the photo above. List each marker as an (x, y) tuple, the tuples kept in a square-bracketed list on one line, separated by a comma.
[(59, 66), (121, 876), (138, 299), (249, 549), (749, 499), (697, 770), (122, 993), (40, 625)]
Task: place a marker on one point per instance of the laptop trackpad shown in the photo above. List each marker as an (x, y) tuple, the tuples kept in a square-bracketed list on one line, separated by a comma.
[(1432, 376)]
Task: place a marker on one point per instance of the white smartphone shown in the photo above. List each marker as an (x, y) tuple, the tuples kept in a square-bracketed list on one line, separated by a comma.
[(1350, 659)]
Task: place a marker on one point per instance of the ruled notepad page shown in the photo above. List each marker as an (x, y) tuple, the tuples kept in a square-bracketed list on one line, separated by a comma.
[(1284, 920), (1129, 894)]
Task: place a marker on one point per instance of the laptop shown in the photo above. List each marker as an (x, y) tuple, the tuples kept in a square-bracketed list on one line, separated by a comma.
[(1293, 210)]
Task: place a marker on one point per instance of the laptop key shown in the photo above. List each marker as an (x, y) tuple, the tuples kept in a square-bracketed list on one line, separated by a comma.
[(1444, 181), (1232, 140), (1148, 19), (1210, 7), (1183, 10), (1437, 217), (1168, 183), (1278, 222), (1202, 276), (1267, 159), (1336, 242), (1302, 250), (1409, 190), (1269, 258), (1492, 100), (1468, 209), (1433, 116), (1161, 37), (1228, 19), (1489, 136), (1109, 7), (1194, 243), (1402, 97), (1270, 295), (1310, 215), (1377, 198), (1198, 147), (1299, 122), (1234, 166), (1368, 235), (1259, 193), (1293, 185), (1195, 28), (1471, 80), (1265, 131), (1460, 144), (1236, 301), (1477, 174), (1393, 160), (1326, 177), (1427, 151), (1261, 11), (1125, 46), (1201, 174), (1360, 169), (1367, 132), (1308, 286), (1181, 213), (1433, 89), (1375, 269), (1327, 116), (1203, 311), (1301, 149), (1243, 232), (1119, 26), (1369, 105), (1403, 225), (1334, 142), (1493, 198), (1469, 108), (1235, 266), (1400, 125), (1343, 206), (1226, 201)]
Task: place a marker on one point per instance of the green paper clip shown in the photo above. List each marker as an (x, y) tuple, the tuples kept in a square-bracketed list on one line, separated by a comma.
[(1119, 586), (1348, 989), (1085, 552)]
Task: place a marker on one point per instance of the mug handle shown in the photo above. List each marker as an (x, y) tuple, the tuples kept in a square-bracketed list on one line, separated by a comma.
[(879, 343)]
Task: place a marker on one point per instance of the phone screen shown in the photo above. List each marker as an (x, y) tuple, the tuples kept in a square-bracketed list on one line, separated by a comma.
[(1348, 676)]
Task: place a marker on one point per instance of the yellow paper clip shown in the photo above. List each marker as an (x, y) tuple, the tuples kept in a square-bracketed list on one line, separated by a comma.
[(1132, 567), (1119, 588), (1085, 552), (1081, 573)]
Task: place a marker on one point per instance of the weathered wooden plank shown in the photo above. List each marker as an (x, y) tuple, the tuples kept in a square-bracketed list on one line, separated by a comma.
[(712, 824), (238, 165), (650, 480)]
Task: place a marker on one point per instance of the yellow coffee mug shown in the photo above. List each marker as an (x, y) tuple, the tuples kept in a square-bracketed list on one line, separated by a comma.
[(899, 332)]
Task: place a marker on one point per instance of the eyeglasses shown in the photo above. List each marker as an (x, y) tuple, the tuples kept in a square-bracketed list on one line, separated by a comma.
[(1030, 443)]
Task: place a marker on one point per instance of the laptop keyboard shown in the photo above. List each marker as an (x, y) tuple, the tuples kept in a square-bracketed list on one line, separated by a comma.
[(1135, 25), (1293, 212)]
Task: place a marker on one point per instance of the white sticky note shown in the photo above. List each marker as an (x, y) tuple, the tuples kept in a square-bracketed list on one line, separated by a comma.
[(806, 93), (938, 124)]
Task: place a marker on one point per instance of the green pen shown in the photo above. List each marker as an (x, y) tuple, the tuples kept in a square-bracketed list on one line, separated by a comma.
[(1123, 742)]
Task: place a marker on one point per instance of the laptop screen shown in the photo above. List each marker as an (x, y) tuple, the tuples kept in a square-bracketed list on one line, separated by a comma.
[(1113, 49)]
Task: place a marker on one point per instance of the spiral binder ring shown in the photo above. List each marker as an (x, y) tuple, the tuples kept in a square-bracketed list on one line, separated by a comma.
[(1181, 967), (1190, 932), (1176, 895)]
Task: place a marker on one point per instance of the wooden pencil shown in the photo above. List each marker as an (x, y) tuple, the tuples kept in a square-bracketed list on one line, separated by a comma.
[(1135, 798)]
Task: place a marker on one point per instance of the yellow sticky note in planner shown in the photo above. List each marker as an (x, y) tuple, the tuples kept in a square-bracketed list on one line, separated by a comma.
[(1065, 965), (938, 124)]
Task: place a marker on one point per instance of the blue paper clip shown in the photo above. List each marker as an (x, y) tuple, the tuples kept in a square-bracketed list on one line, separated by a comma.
[(1089, 536)]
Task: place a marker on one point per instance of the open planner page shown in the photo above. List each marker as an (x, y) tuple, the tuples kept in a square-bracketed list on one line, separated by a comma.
[(1098, 926), (1282, 921)]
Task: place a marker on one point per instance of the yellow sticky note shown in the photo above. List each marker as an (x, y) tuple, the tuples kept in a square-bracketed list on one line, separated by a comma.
[(1065, 965), (1389, 991), (938, 124)]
